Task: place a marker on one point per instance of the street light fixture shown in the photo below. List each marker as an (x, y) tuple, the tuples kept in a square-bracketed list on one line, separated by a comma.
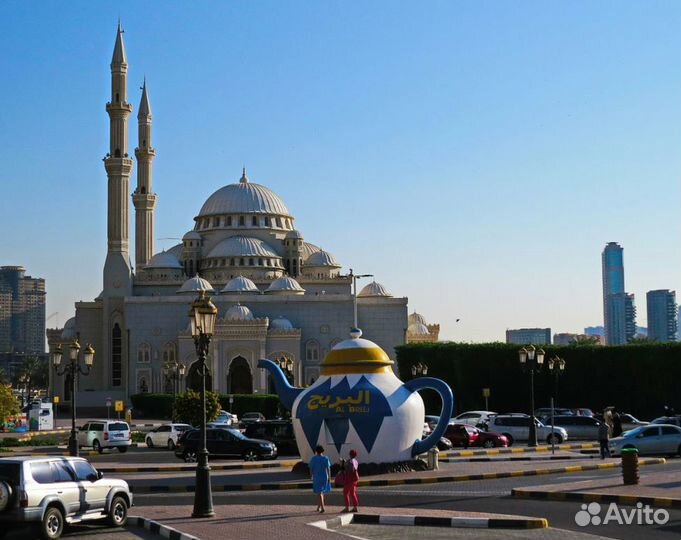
[(355, 277), (419, 369), (531, 361), (203, 315), (74, 369), (557, 367), (286, 365), (175, 371)]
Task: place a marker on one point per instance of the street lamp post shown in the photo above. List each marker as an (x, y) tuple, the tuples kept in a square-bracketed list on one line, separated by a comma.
[(531, 361), (419, 369), (557, 367), (286, 365), (203, 315), (175, 371), (74, 369), (355, 277)]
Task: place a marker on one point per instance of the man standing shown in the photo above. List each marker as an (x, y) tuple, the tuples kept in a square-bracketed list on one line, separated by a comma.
[(603, 433)]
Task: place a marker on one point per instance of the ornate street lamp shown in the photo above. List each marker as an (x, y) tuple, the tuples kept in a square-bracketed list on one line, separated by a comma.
[(531, 361), (557, 367), (286, 365), (74, 369), (175, 371), (203, 315), (419, 369)]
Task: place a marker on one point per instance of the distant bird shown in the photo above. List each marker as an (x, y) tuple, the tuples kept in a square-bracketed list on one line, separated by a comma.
[(457, 320)]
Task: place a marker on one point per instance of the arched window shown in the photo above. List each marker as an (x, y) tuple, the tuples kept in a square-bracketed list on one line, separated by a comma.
[(267, 221), (239, 378), (144, 353), (116, 356), (216, 222), (229, 221), (254, 221), (242, 221), (250, 262), (312, 351), (169, 353)]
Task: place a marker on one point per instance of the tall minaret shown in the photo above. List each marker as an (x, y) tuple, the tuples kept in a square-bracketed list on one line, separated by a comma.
[(117, 273), (143, 198)]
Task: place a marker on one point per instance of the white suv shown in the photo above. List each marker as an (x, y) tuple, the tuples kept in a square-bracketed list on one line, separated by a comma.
[(516, 427), (52, 491), (101, 434)]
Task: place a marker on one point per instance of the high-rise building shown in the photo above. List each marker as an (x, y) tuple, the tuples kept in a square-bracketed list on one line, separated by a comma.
[(619, 311), (22, 311), (523, 336), (662, 315)]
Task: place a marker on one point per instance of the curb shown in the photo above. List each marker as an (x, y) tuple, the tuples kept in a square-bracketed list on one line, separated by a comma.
[(516, 450), (158, 528), (189, 468), (572, 496), (392, 482), (519, 458), (431, 521)]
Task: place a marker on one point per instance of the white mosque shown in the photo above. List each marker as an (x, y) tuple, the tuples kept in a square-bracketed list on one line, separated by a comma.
[(278, 296)]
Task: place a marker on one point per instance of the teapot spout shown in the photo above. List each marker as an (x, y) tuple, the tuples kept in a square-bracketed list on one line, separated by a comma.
[(287, 393)]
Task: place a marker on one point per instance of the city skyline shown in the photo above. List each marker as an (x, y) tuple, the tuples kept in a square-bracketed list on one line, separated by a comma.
[(335, 108)]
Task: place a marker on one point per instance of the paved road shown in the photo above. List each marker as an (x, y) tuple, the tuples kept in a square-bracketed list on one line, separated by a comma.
[(92, 532)]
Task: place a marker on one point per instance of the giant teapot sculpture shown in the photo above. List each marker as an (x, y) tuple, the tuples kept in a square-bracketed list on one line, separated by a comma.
[(358, 403)]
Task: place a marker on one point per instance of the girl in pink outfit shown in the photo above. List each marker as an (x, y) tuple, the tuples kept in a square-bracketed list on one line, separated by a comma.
[(351, 474)]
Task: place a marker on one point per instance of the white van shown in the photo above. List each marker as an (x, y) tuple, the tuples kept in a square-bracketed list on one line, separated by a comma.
[(101, 434)]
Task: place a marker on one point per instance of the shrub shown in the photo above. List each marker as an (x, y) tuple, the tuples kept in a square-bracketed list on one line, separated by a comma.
[(152, 405), (138, 436), (188, 407)]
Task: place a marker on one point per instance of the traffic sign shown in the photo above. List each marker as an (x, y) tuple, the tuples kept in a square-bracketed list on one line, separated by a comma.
[(485, 392), (119, 406), (231, 399), (108, 402), (55, 399)]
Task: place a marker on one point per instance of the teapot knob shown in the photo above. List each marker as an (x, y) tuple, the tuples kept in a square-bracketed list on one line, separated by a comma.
[(355, 333)]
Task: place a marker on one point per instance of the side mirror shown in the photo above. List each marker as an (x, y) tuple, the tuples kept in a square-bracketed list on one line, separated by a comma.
[(100, 475)]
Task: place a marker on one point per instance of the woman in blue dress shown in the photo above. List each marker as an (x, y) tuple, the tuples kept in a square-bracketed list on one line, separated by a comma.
[(320, 471)]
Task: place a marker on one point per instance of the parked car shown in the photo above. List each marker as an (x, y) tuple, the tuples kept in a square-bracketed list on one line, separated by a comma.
[(577, 427), (280, 432), (432, 421), (166, 435), (650, 439), (545, 412), (101, 434), (673, 420), (251, 418), (476, 436), (461, 434), (54, 491), (631, 422), (473, 418), (226, 418), (224, 442), (516, 427)]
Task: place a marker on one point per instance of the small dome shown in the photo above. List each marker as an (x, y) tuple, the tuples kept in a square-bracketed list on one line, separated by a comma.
[(192, 235), (239, 313), (69, 331), (176, 250), (374, 289), (285, 285), (244, 197), (356, 355), (322, 258), (280, 323), (416, 318), (242, 246), (240, 284), (418, 329), (294, 234), (308, 250), (195, 285), (164, 260)]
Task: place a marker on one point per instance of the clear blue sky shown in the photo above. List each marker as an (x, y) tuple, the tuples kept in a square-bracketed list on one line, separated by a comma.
[(474, 156)]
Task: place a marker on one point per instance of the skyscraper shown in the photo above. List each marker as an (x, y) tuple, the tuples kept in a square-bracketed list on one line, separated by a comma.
[(22, 311), (662, 315), (619, 310)]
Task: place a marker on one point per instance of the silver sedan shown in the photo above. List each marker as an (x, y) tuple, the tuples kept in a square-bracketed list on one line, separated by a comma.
[(651, 439)]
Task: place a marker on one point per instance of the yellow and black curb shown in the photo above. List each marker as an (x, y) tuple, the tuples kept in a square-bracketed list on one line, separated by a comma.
[(192, 467), (281, 486), (433, 521), (515, 458), (571, 496), (516, 450)]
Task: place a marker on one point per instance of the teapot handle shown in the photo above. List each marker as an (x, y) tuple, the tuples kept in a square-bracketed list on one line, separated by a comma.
[(447, 396)]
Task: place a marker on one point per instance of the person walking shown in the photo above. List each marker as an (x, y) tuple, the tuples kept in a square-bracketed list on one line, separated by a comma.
[(320, 472), (350, 480), (603, 433), (616, 424)]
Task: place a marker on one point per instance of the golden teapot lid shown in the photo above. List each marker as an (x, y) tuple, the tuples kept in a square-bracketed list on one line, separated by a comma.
[(356, 355)]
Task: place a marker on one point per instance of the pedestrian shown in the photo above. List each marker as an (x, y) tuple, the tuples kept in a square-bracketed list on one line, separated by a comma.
[(607, 418), (603, 432), (350, 480), (320, 472), (616, 424)]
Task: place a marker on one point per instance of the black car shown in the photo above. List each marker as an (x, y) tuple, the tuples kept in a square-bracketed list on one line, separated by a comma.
[(280, 432), (224, 442)]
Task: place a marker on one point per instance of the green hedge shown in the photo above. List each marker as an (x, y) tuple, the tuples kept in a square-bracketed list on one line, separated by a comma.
[(152, 406), (160, 406), (637, 378)]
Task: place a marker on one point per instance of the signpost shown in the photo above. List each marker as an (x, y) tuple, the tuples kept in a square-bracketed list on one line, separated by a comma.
[(108, 408), (486, 394), (119, 408), (231, 401), (55, 400)]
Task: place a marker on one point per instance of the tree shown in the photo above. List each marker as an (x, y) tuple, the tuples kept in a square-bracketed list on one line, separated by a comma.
[(32, 373), (188, 407), (8, 403)]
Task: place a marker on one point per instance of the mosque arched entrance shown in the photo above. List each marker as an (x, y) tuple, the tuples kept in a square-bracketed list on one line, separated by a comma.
[(239, 378)]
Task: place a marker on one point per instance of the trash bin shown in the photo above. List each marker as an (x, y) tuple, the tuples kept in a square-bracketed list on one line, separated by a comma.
[(432, 459), (630, 466)]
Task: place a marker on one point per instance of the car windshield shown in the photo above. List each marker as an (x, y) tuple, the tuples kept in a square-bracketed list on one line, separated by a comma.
[(634, 432), (237, 433)]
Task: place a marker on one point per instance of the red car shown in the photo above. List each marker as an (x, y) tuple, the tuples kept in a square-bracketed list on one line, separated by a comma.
[(466, 435)]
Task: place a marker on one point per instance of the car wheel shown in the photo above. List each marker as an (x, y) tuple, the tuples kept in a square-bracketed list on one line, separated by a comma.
[(488, 444), (251, 455), (53, 524), (190, 456), (118, 513), (97, 447), (6, 493), (150, 443), (171, 444), (554, 438), (122, 449), (509, 438)]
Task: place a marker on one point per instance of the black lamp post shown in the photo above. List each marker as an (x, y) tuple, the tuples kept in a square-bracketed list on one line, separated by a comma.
[(419, 369), (73, 368), (175, 371), (203, 315), (531, 361), (557, 367)]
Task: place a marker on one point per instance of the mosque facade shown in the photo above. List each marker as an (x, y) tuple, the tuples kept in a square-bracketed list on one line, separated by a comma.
[(279, 297)]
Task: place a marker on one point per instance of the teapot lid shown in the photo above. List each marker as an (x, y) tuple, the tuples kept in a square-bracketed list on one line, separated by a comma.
[(356, 355)]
